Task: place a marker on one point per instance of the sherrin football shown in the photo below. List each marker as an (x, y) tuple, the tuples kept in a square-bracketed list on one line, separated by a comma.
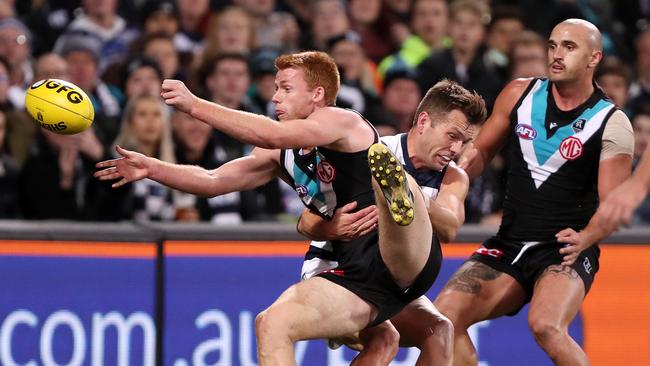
[(59, 106)]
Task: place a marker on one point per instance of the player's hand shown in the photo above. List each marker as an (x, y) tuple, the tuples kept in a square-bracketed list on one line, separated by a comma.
[(348, 225), (619, 205), (575, 242), (176, 94), (130, 167)]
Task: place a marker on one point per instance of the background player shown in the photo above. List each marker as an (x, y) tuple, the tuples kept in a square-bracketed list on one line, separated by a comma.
[(569, 146), (446, 119), (325, 159)]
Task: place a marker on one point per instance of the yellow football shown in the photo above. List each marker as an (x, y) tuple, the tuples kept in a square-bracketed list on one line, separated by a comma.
[(59, 106)]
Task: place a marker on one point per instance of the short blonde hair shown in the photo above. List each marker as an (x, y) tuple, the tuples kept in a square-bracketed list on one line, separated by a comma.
[(319, 68)]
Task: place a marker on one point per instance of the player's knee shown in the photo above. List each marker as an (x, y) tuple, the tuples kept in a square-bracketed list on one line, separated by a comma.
[(545, 332), (450, 309), (269, 323), (385, 342), (439, 336)]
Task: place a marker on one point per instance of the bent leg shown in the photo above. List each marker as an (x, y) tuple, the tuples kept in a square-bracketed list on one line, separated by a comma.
[(314, 308), (380, 345), (474, 293), (557, 298), (421, 325), (405, 230)]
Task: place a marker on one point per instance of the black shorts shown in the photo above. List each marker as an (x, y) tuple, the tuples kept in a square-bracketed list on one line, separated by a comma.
[(500, 254), (362, 271)]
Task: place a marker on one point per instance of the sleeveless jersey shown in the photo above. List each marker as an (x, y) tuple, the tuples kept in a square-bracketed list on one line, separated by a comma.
[(553, 164), (326, 179), (321, 255)]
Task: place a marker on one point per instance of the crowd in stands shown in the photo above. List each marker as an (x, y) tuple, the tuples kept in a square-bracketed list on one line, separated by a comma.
[(389, 52)]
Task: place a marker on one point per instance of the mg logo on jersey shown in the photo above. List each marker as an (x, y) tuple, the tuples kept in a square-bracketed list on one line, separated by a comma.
[(525, 132), (496, 253), (571, 148), (326, 172)]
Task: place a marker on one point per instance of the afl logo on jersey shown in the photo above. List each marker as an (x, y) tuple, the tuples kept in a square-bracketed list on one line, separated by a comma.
[(326, 172), (525, 132), (571, 148), (301, 190)]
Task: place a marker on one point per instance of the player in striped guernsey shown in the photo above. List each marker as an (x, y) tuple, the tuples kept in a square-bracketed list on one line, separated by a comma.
[(377, 275), (447, 118), (569, 146)]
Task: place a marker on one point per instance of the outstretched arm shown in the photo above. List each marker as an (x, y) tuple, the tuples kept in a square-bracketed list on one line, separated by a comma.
[(240, 174), (494, 132), (324, 127), (447, 211)]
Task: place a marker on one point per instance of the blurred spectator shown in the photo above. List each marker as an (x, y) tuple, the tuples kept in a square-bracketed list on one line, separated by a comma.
[(21, 129), (160, 16), (5, 83), (359, 79), (229, 31), (429, 19), (81, 51), (193, 15), (146, 129), (227, 79), (56, 174), (369, 22), (262, 65), (329, 19), (640, 90), (465, 61), (8, 177), (528, 56), (141, 76), (401, 97), (641, 127), (505, 25), (277, 29), (15, 46), (195, 145), (160, 48), (100, 18), (614, 78)]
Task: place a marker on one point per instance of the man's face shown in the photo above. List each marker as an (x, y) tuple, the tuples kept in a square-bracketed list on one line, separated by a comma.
[(350, 58), (439, 144), (83, 69), (569, 53), (529, 61), (401, 97), (293, 98), (229, 80), (430, 18), (503, 32), (467, 30), (161, 22), (163, 51)]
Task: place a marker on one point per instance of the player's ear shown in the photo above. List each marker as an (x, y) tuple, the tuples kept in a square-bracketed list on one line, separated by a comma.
[(596, 56), (422, 121), (319, 94)]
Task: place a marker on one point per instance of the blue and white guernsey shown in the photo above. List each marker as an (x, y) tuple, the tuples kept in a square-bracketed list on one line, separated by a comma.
[(320, 256), (553, 164)]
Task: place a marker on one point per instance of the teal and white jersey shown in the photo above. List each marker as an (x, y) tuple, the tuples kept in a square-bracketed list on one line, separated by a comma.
[(553, 164)]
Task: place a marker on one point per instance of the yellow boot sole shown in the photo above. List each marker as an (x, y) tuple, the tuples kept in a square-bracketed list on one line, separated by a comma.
[(390, 175)]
